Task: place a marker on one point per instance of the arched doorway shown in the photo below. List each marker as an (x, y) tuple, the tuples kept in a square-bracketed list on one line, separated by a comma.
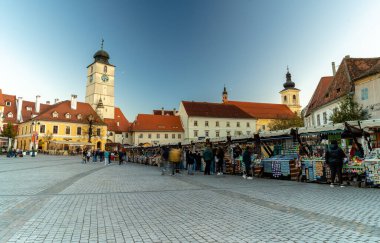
[(99, 145)]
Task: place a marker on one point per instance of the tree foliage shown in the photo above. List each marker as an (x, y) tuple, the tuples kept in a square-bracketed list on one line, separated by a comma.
[(296, 121), (9, 131), (349, 110)]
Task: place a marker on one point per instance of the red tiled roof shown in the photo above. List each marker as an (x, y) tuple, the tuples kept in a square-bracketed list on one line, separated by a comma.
[(1, 98), (264, 110), (166, 112), (319, 93), (221, 110), (112, 124), (12, 108), (148, 122), (349, 70), (374, 70), (64, 107)]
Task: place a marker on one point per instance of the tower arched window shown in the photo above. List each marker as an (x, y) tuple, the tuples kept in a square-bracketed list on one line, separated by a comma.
[(285, 99), (105, 69), (92, 69)]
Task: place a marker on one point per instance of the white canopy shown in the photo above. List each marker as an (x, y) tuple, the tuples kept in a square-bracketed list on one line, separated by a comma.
[(72, 143)]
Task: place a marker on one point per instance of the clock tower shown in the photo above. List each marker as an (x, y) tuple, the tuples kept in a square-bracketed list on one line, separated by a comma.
[(100, 85)]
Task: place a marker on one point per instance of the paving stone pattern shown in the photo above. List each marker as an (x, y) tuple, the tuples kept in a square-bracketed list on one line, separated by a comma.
[(59, 199)]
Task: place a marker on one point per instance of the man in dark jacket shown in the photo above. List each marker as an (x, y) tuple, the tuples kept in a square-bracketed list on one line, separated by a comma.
[(208, 157), (247, 162), (334, 158)]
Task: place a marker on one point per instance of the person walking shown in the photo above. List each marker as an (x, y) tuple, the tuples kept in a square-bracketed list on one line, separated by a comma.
[(175, 159), (164, 158), (334, 158), (106, 157), (190, 163), (247, 162), (207, 157), (220, 156), (88, 155)]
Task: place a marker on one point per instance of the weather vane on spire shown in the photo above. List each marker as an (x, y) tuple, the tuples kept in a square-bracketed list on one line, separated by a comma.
[(101, 46), (287, 67)]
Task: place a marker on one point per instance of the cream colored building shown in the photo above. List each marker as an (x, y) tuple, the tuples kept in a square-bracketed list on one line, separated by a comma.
[(212, 120)]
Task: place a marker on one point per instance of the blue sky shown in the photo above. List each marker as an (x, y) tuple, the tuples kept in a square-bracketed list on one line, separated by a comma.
[(168, 51)]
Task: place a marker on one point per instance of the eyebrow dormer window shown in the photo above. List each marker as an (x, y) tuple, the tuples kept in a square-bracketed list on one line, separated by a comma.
[(55, 114), (338, 90), (8, 103), (68, 116), (10, 114), (28, 108), (79, 116)]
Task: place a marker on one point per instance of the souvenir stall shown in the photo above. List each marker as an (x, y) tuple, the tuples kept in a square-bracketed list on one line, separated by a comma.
[(279, 149)]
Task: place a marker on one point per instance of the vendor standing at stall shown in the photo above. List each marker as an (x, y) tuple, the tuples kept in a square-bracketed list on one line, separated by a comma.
[(334, 158), (356, 150)]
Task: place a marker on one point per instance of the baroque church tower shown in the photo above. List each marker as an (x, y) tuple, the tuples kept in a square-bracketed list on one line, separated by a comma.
[(100, 87), (290, 95)]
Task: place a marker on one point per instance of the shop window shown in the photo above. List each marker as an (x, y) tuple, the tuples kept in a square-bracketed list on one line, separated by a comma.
[(79, 131)]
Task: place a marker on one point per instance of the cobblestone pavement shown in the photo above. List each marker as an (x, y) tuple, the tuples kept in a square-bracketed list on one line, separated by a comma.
[(59, 199)]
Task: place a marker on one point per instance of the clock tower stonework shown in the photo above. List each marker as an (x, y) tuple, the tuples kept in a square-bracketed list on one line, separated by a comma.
[(100, 85)]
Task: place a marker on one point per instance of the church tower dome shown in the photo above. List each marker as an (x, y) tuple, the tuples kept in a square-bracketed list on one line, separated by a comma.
[(289, 84)]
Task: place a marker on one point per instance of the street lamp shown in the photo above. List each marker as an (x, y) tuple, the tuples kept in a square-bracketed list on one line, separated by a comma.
[(34, 136)]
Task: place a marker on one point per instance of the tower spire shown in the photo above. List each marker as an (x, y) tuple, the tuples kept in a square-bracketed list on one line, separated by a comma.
[(101, 46)]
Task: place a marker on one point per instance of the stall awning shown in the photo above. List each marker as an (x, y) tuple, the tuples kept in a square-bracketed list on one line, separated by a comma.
[(326, 129), (72, 143), (278, 133)]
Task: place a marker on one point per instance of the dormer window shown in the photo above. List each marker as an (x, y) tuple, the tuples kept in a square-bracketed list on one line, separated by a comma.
[(118, 123), (338, 90), (67, 115), (10, 115), (55, 114), (28, 108), (79, 116), (8, 103)]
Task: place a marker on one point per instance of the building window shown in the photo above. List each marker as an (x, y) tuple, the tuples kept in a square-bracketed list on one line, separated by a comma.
[(217, 123), (237, 133), (206, 133), (173, 135), (284, 98), (28, 108), (8, 103), (179, 136), (237, 124), (166, 136), (31, 129), (67, 130), (195, 123), (79, 116), (98, 132), (55, 114), (228, 124), (158, 135), (365, 94), (79, 131), (228, 133), (68, 116), (92, 69), (10, 114), (55, 129), (149, 136), (318, 120), (263, 127), (324, 118), (248, 124), (42, 129), (105, 69), (141, 135), (195, 133), (206, 123), (217, 134)]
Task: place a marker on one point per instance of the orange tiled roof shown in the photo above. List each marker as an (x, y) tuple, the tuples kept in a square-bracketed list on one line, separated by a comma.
[(207, 109), (64, 107), (319, 93), (349, 70), (148, 122), (112, 124), (12, 108), (1, 98), (264, 110)]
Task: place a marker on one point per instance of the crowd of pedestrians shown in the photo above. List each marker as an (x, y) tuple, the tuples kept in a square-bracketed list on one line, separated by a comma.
[(105, 156)]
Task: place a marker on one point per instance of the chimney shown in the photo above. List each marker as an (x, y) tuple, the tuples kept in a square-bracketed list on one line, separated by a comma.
[(333, 68), (174, 111), (19, 108), (74, 102), (48, 102), (56, 100), (162, 111), (347, 56), (37, 104)]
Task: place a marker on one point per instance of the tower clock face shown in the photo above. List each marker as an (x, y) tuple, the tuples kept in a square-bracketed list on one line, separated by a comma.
[(104, 78)]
